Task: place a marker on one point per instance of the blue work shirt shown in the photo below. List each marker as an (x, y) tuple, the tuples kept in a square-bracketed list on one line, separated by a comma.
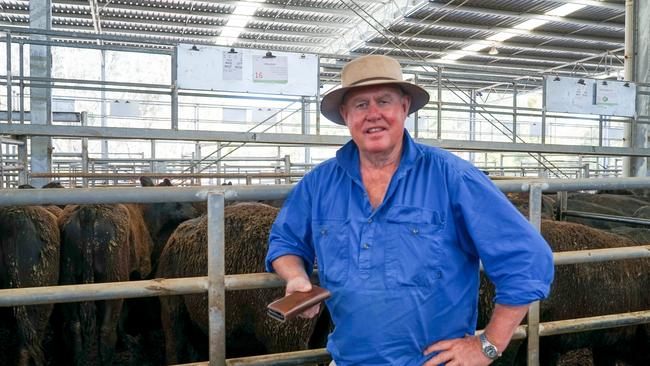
[(406, 274)]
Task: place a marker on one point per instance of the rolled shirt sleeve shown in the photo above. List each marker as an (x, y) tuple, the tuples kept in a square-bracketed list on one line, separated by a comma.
[(515, 256), (291, 231)]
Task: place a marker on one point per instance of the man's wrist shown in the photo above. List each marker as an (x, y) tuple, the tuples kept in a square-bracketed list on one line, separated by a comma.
[(489, 349)]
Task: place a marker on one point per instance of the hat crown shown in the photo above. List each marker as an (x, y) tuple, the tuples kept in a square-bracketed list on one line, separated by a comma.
[(370, 68)]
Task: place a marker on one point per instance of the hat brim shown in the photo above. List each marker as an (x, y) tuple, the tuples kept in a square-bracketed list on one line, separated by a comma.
[(331, 102)]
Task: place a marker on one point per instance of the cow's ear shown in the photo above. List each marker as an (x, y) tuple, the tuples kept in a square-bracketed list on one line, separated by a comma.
[(146, 182), (166, 183), (53, 184)]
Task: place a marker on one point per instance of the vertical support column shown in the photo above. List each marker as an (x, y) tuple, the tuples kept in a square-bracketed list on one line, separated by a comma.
[(152, 164), (543, 132), (2, 166), (174, 94), (40, 65), (198, 157), (216, 280), (600, 131), (84, 152), (22, 156), (637, 57), (472, 122), (439, 105), (102, 108), (306, 125), (416, 115), (219, 162), (535, 214), (514, 112), (21, 73), (287, 168), (9, 96), (318, 100)]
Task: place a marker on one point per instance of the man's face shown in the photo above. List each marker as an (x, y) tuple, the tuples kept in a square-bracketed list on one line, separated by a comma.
[(375, 116)]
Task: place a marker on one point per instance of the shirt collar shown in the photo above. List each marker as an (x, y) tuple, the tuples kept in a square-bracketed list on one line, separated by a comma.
[(348, 156)]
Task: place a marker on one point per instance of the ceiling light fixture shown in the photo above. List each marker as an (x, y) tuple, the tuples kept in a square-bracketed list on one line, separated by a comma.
[(269, 55)]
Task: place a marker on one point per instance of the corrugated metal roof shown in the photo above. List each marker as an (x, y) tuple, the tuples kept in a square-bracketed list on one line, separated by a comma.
[(431, 28)]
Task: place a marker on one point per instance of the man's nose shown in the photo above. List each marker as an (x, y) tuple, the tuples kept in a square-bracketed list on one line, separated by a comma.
[(373, 111)]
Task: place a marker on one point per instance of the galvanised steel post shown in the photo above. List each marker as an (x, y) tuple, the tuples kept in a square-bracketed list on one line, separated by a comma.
[(9, 96), (84, 151), (439, 105), (318, 99), (543, 132), (174, 94), (416, 116), (21, 74), (535, 215), (216, 279), (514, 112)]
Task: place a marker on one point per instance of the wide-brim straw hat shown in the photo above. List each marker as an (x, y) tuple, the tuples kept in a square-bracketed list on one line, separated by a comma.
[(370, 70)]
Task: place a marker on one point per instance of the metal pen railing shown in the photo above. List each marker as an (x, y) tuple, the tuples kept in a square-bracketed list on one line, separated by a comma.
[(216, 283)]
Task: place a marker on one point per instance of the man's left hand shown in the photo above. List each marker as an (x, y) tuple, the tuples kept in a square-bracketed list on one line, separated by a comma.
[(457, 352)]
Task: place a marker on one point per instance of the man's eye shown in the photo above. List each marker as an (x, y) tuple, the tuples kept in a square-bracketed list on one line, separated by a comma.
[(361, 105)]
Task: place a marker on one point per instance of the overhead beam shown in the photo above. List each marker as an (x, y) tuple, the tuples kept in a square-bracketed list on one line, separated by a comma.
[(577, 37), (543, 62), (595, 3), (317, 140), (408, 37), (369, 21), (520, 15)]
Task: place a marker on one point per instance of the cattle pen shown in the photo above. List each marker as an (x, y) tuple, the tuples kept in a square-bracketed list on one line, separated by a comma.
[(216, 283)]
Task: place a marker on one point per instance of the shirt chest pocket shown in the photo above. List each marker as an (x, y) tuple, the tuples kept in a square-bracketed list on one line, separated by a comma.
[(332, 244), (413, 247)]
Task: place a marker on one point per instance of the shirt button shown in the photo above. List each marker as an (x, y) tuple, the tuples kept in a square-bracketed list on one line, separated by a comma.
[(365, 246), (370, 220), (415, 230)]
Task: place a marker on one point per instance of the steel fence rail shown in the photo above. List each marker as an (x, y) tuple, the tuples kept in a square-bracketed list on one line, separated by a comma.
[(195, 285), (546, 329), (277, 191), (216, 283), (612, 218)]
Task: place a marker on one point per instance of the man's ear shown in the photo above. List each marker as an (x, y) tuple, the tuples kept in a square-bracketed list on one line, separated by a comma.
[(342, 113), (406, 103)]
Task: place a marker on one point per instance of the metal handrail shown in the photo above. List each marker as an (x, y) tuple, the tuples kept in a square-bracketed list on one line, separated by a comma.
[(216, 283)]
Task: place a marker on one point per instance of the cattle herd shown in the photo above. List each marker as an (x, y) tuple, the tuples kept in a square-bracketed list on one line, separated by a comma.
[(78, 244)]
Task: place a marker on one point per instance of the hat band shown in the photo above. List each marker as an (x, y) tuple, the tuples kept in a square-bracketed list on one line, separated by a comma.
[(372, 79)]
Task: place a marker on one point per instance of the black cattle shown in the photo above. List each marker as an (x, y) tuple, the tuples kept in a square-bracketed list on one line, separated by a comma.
[(29, 257), (109, 243), (249, 330)]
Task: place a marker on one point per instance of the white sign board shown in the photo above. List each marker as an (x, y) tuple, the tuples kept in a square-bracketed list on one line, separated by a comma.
[(590, 96), (125, 108), (246, 71)]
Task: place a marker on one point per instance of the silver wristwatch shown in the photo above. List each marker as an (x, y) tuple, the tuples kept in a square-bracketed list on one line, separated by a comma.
[(489, 350)]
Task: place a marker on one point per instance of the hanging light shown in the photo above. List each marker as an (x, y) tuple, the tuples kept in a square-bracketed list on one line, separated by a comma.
[(493, 50)]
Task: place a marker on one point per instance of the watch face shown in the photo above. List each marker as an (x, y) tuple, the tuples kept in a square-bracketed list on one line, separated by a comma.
[(490, 351)]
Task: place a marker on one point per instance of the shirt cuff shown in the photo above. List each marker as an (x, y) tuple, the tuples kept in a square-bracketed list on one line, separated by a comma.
[(525, 292)]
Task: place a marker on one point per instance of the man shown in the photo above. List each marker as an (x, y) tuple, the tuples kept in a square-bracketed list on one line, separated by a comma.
[(398, 229)]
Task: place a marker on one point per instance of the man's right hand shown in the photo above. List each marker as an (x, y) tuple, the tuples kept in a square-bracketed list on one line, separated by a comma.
[(302, 284)]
